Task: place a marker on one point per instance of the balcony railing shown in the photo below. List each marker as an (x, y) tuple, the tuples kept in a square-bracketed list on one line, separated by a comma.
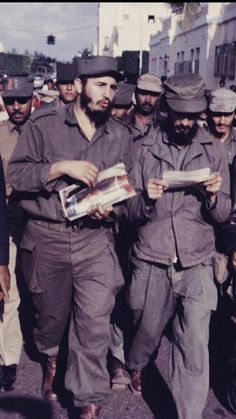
[(187, 67)]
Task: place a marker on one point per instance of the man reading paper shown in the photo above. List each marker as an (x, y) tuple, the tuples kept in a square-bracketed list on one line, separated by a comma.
[(173, 255)]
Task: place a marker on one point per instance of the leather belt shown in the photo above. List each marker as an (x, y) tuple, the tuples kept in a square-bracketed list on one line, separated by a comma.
[(65, 227)]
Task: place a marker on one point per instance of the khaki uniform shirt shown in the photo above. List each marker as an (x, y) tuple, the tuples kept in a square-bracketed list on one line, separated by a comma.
[(9, 134)]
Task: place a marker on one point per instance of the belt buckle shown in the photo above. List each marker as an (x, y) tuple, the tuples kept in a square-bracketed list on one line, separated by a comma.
[(72, 225), (75, 227)]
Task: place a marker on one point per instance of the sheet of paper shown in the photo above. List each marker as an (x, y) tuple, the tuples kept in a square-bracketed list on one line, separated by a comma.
[(180, 179)]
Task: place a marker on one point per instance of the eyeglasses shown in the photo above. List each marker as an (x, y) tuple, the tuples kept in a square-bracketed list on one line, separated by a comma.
[(9, 101)]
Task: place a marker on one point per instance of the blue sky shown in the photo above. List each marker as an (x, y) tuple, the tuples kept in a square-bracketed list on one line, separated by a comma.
[(25, 26)]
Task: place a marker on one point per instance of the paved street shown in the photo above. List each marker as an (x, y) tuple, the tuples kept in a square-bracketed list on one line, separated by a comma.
[(25, 402)]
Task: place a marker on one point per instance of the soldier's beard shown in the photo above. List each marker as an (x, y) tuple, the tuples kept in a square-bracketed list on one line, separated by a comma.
[(145, 109), (97, 116), (184, 136)]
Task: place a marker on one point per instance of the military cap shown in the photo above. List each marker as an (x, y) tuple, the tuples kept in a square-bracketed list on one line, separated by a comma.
[(185, 93), (124, 94), (222, 100), (99, 66), (18, 86), (48, 93), (149, 82), (66, 71)]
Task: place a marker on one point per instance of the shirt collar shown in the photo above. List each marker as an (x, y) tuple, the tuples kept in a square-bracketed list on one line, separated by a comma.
[(14, 128)]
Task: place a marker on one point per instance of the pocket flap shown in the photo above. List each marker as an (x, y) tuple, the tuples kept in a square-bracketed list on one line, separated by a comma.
[(27, 244)]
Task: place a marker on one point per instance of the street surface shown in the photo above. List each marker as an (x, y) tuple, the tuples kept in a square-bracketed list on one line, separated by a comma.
[(25, 402)]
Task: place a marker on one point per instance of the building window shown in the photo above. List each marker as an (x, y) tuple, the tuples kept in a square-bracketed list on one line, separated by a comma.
[(225, 59), (192, 54), (196, 66), (126, 17), (197, 53), (151, 19), (218, 59), (182, 56), (232, 61), (226, 50), (183, 67), (178, 56)]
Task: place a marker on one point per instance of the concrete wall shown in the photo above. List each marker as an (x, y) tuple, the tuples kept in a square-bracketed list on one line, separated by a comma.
[(214, 25), (125, 26)]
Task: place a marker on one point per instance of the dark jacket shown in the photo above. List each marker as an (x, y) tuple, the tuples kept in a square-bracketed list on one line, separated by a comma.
[(183, 224), (4, 233)]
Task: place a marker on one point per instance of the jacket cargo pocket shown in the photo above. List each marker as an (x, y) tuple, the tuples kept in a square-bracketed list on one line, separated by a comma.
[(29, 264)]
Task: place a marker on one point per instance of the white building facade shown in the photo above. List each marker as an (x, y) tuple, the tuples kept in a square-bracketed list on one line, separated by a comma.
[(128, 26), (205, 44)]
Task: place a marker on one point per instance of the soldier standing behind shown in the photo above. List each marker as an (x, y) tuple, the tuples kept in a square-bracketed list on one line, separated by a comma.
[(17, 97), (123, 103), (66, 73), (144, 117), (221, 116), (4, 279), (173, 254)]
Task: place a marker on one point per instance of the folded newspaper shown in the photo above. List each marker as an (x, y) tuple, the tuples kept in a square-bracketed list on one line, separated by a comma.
[(112, 186), (180, 179)]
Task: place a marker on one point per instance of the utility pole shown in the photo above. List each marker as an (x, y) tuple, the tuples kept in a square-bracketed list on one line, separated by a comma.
[(141, 45)]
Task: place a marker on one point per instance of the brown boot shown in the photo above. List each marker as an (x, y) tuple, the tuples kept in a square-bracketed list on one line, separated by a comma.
[(48, 382), (136, 382), (89, 412)]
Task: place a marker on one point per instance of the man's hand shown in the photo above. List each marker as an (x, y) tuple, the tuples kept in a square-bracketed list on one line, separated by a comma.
[(99, 212), (213, 185), (4, 282), (155, 188), (77, 169)]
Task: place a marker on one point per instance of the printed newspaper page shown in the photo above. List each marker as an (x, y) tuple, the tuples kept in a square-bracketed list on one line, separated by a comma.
[(179, 179), (112, 186)]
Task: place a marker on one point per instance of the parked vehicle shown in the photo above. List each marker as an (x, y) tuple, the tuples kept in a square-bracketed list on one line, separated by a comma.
[(38, 80)]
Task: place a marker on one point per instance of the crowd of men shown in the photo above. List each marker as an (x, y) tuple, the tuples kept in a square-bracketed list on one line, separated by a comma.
[(110, 282)]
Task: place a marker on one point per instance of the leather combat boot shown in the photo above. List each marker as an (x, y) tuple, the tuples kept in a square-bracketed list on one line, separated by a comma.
[(7, 377), (89, 412), (136, 382), (48, 391)]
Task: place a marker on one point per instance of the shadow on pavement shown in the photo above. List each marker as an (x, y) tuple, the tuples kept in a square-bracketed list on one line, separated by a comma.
[(26, 407), (221, 348), (157, 395)]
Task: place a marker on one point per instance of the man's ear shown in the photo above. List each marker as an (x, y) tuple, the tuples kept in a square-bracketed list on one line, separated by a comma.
[(78, 85)]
